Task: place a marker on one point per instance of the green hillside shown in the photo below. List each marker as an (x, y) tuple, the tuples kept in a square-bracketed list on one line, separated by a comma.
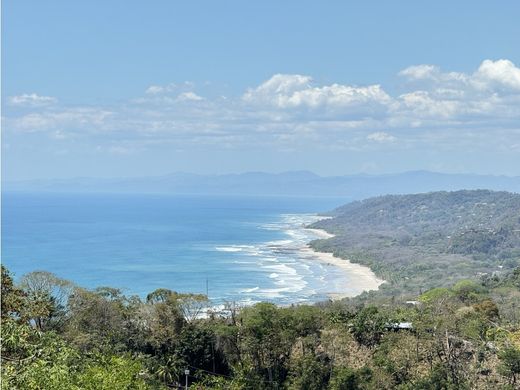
[(420, 241)]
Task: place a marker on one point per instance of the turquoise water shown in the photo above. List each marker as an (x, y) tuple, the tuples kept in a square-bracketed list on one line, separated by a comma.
[(243, 249)]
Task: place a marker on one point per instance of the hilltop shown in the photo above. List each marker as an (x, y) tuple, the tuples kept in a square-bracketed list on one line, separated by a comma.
[(420, 241)]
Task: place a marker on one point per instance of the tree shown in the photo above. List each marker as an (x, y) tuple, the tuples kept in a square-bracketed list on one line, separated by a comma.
[(96, 319), (168, 368), (12, 298), (368, 326), (346, 378), (36, 360), (436, 294), (488, 309), (196, 347), (159, 295), (467, 290), (191, 305), (160, 324), (510, 364), (115, 372), (46, 299), (266, 340), (308, 373)]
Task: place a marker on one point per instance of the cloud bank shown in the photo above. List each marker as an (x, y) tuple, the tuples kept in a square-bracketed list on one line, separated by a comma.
[(31, 99), (432, 107)]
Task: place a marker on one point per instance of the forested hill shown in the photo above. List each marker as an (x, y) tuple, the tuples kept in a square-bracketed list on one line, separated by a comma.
[(423, 240)]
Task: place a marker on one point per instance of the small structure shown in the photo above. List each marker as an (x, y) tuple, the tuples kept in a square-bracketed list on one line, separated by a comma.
[(397, 326)]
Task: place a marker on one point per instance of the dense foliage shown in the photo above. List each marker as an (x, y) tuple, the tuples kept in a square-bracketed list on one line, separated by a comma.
[(417, 242), (464, 336)]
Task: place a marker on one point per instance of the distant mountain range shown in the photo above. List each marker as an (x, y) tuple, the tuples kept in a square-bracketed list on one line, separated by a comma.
[(295, 183)]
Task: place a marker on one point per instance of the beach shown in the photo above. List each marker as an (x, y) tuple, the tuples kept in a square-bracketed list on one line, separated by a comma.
[(322, 234), (358, 278), (244, 250)]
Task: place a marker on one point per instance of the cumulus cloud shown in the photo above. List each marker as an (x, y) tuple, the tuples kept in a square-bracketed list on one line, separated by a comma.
[(420, 104), (492, 92), (420, 72), (490, 75), (31, 99), (279, 84), (501, 73), (297, 91), (189, 96), (432, 73), (294, 109)]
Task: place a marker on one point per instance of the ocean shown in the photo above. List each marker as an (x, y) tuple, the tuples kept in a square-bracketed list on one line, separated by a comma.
[(241, 249)]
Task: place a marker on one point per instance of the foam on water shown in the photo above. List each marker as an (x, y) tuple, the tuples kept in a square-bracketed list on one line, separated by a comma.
[(250, 290), (291, 276), (228, 249), (244, 249)]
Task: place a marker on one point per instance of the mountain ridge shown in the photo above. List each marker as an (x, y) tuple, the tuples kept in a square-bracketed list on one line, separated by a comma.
[(290, 183)]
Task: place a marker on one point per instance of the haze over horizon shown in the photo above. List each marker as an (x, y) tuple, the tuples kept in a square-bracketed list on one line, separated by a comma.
[(293, 173), (108, 90)]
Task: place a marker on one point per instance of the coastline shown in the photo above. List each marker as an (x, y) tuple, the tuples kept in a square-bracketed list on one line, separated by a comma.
[(359, 278)]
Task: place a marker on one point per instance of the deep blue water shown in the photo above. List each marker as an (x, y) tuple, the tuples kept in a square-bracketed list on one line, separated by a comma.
[(246, 248)]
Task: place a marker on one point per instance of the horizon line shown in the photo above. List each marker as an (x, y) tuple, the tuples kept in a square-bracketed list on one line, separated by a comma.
[(270, 173)]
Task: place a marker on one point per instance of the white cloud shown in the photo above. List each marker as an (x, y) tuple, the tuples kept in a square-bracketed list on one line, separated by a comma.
[(335, 95), (500, 73), (490, 75), (420, 104), (169, 88), (31, 99), (288, 110), (381, 136), (420, 72), (432, 73), (62, 121), (279, 84), (189, 96), (296, 91), (492, 91), (154, 89)]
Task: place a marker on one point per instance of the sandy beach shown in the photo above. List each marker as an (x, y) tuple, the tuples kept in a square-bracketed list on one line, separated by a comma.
[(358, 278), (322, 234)]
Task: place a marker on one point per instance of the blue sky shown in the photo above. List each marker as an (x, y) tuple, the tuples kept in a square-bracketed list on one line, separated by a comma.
[(132, 88)]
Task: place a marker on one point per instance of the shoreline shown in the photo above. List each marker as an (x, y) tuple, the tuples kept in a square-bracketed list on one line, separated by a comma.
[(360, 278)]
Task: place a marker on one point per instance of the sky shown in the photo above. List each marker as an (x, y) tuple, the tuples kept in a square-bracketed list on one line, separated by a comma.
[(134, 88)]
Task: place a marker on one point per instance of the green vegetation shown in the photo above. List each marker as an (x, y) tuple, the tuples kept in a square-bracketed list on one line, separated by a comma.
[(448, 318), (59, 336), (418, 242)]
